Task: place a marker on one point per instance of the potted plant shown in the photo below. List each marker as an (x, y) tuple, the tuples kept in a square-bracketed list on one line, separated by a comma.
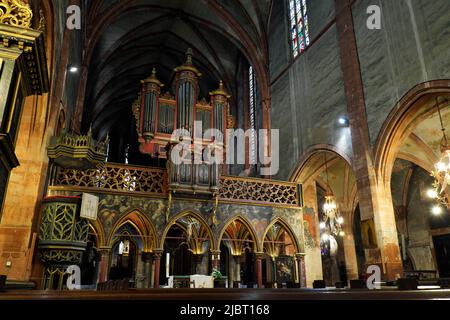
[(219, 281)]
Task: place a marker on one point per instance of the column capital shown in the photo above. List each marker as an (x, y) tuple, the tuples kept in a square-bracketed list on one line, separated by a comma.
[(215, 254), (259, 255), (104, 250), (157, 253), (147, 256)]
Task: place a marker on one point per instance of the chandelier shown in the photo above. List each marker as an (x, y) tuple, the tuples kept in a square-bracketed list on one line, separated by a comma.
[(441, 173), (332, 220)]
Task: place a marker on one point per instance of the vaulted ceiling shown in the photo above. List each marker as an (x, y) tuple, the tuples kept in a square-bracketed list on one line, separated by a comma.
[(423, 144), (125, 39)]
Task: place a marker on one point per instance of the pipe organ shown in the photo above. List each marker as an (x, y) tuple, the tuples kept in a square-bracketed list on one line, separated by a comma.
[(159, 116)]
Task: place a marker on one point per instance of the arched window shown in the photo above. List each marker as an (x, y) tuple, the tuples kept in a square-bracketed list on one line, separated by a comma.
[(298, 16)]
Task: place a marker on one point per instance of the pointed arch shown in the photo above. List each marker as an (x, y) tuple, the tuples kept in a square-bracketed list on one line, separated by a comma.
[(298, 172), (194, 215), (143, 226), (99, 232), (415, 106), (242, 220), (287, 229)]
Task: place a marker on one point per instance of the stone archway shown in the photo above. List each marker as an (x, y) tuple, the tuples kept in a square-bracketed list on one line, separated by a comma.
[(281, 247), (144, 232), (410, 138), (185, 247), (415, 106), (240, 240), (341, 182)]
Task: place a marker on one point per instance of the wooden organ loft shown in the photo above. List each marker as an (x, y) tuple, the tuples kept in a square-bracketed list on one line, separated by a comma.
[(164, 121)]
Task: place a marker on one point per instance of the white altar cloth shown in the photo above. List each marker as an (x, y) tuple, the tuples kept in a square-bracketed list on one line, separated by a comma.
[(200, 281)]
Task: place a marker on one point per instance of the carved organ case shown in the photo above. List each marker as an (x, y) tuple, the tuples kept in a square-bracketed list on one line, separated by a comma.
[(160, 115)]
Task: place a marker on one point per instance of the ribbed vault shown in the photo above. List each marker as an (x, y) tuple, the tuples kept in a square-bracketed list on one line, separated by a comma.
[(126, 38)]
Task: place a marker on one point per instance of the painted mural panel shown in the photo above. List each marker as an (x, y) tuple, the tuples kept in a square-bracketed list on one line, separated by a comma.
[(114, 207)]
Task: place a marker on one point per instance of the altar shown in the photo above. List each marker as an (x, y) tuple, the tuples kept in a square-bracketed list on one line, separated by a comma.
[(195, 281)]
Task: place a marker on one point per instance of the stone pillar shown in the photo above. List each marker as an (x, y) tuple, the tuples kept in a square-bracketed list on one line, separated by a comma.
[(104, 264), (313, 258), (215, 259), (351, 262), (147, 259), (152, 279), (157, 254), (198, 261), (301, 270), (259, 256), (237, 260), (269, 275), (374, 195)]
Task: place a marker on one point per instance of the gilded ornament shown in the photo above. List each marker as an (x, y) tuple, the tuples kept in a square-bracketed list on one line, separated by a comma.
[(16, 13)]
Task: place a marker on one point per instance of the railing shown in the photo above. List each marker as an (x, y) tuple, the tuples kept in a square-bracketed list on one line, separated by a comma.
[(115, 178), (259, 191)]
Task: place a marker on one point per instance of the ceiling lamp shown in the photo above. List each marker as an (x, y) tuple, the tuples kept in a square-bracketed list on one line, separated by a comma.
[(441, 173), (332, 220)]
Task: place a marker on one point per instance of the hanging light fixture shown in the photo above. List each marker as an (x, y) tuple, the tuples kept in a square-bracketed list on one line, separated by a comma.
[(441, 173), (332, 220)]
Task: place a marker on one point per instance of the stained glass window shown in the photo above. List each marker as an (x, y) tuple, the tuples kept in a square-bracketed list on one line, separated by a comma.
[(252, 111), (298, 16)]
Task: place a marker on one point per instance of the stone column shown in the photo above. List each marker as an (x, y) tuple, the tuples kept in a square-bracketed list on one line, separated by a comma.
[(269, 275), (157, 254), (147, 259), (351, 262), (313, 258), (104, 264), (259, 256), (215, 258), (237, 260), (198, 260), (301, 271), (374, 195)]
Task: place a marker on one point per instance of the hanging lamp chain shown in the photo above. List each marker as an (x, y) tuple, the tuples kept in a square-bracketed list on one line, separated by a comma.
[(444, 135)]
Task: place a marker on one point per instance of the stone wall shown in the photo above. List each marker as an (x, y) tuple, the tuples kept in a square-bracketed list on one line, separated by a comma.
[(412, 47), (308, 93)]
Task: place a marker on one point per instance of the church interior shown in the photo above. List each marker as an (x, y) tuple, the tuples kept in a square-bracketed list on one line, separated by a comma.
[(228, 145)]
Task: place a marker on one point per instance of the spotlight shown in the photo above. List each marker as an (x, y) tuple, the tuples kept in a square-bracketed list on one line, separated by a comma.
[(340, 220), (436, 210), (343, 121), (342, 234), (432, 194), (73, 69), (322, 225)]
